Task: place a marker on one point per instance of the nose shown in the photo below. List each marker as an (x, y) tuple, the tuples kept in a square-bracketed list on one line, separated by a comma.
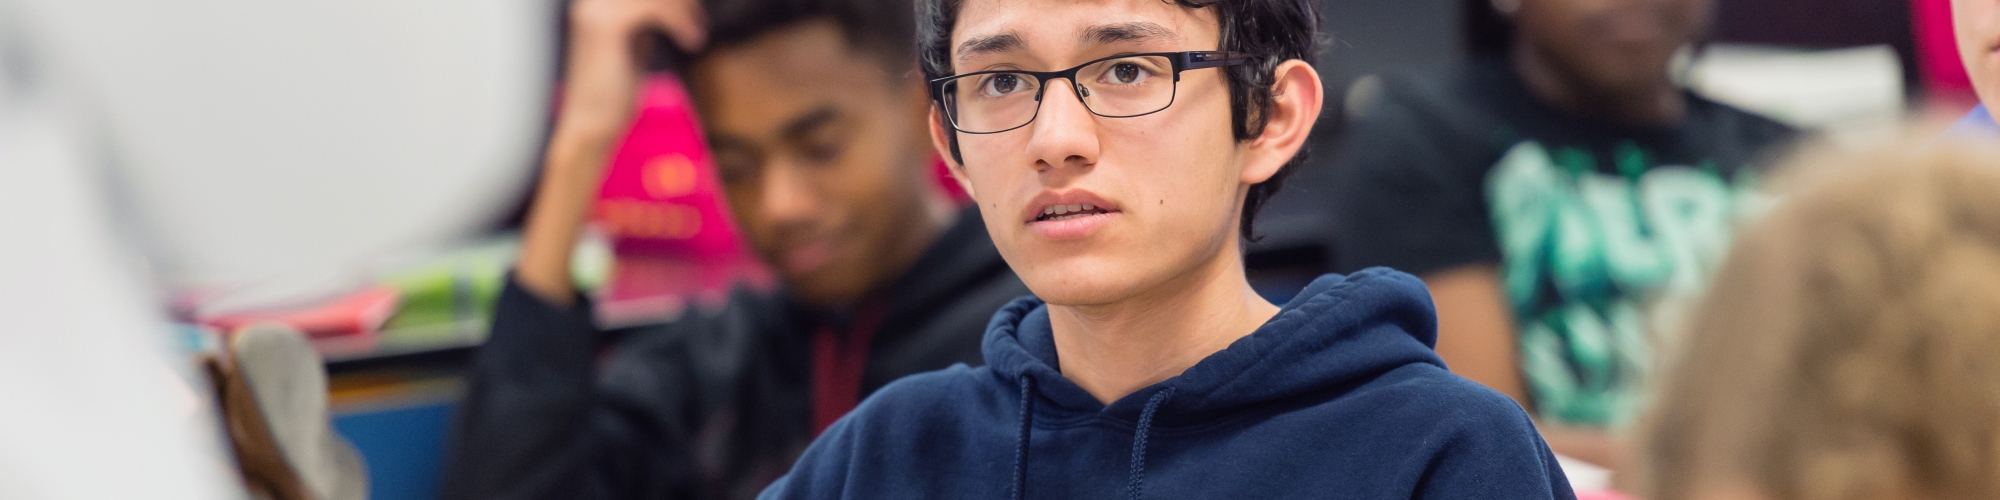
[(786, 196), (1064, 134)]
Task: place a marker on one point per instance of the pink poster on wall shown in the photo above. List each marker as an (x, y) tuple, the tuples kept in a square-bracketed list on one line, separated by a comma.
[(673, 240), (1938, 62)]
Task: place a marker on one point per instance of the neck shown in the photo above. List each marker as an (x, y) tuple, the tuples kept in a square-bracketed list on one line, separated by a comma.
[(1656, 102), (1112, 350)]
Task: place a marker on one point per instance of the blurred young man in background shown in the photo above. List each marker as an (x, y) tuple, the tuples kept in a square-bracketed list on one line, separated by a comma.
[(1119, 151), (817, 124), (1561, 199)]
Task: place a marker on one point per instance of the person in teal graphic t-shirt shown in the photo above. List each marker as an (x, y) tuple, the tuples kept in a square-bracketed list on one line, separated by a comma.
[(1561, 197)]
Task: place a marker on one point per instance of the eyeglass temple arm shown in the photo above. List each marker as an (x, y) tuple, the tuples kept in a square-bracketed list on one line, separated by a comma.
[(1199, 60)]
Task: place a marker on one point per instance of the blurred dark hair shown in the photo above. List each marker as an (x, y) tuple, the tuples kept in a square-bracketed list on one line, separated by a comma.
[(880, 27), (1273, 31), (1484, 31)]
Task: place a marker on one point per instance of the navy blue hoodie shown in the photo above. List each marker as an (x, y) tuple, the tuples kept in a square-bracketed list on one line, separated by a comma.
[(1338, 396)]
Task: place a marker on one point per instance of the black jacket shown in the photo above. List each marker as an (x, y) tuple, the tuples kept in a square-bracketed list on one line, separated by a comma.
[(709, 406)]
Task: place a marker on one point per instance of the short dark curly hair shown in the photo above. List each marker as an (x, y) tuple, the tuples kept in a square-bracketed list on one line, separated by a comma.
[(1272, 31), (879, 27)]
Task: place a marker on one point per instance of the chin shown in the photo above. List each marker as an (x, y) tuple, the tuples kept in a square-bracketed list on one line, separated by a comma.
[(834, 285), (1107, 269), (815, 292), (1082, 281)]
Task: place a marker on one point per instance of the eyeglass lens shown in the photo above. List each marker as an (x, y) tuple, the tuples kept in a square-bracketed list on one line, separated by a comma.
[(1112, 88)]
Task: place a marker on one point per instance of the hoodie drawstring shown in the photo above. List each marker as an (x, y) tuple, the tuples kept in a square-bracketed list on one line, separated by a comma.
[(1021, 446), (1137, 482)]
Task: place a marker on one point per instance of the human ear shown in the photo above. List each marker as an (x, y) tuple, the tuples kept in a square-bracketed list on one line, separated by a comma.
[(939, 141), (1296, 96)]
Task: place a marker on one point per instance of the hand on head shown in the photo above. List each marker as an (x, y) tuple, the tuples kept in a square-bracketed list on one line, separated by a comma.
[(599, 87), (604, 50)]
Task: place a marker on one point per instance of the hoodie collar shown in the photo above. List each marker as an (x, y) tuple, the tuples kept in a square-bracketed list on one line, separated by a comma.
[(1339, 332)]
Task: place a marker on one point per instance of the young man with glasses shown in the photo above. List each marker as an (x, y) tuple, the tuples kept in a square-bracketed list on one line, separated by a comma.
[(1118, 151)]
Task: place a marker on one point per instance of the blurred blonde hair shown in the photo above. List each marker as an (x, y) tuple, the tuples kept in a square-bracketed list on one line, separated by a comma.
[(1850, 346)]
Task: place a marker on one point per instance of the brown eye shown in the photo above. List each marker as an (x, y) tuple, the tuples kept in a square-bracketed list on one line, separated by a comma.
[(1125, 72), (822, 150), (736, 167), (1003, 84)]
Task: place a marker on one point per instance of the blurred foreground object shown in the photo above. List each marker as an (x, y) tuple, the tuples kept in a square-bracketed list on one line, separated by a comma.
[(1850, 347), (274, 398), (257, 150), (269, 148), (274, 402), (86, 374)]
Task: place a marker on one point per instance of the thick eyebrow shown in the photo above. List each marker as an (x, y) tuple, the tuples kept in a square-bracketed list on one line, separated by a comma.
[(1136, 31), (804, 124), (1004, 42)]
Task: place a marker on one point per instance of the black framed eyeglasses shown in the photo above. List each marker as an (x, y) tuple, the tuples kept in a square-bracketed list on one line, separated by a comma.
[(1120, 86)]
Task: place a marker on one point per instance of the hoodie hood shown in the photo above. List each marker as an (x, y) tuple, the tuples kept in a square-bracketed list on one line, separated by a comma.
[(1340, 331), (1338, 396)]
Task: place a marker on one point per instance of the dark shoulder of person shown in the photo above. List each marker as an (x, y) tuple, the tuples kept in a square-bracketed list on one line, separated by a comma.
[(939, 308), (1750, 139), (708, 350), (744, 309), (1407, 188), (1449, 110), (724, 391)]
